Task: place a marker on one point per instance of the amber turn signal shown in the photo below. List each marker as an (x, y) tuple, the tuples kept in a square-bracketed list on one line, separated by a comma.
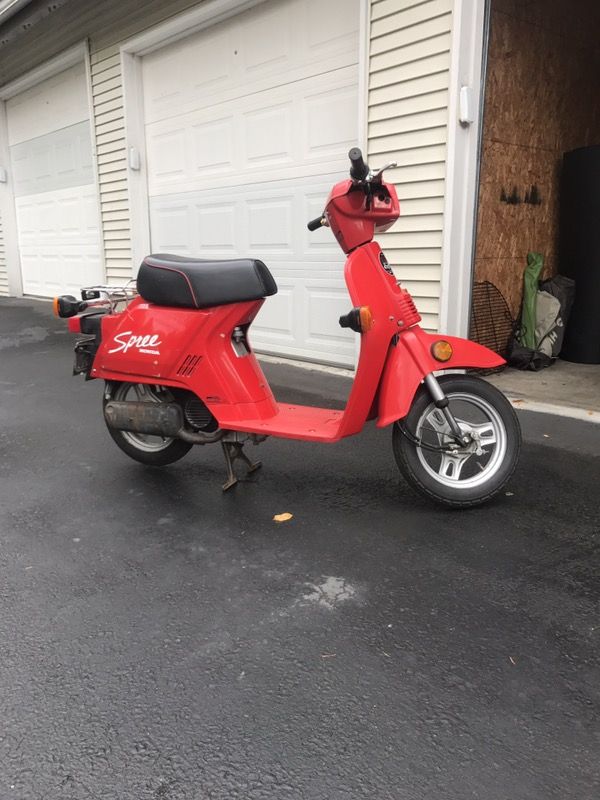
[(441, 350), (366, 318), (359, 319), (66, 306)]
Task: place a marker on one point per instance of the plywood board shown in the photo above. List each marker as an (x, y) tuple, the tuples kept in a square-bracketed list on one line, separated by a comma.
[(542, 99)]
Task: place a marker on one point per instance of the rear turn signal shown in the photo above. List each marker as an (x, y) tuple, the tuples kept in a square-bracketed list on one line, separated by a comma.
[(66, 305), (441, 350), (359, 319)]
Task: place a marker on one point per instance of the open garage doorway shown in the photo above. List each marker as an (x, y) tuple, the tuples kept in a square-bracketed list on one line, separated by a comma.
[(542, 100)]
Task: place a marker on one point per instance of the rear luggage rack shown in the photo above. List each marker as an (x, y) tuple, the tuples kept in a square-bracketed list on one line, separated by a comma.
[(110, 295)]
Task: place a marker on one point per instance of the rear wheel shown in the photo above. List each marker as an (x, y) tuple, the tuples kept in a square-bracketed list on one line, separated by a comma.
[(459, 475), (155, 451)]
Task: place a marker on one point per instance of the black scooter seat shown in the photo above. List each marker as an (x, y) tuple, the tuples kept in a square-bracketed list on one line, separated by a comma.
[(168, 280)]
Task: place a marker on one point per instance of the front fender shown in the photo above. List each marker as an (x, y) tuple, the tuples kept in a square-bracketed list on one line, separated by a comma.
[(410, 360)]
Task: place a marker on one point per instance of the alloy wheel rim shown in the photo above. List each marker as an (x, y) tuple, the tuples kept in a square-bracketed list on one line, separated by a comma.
[(486, 452)]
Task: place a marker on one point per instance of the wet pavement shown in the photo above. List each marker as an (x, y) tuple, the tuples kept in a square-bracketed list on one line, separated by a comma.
[(162, 640)]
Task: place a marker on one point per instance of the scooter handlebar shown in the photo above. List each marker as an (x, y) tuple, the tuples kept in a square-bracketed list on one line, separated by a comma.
[(316, 223), (358, 169)]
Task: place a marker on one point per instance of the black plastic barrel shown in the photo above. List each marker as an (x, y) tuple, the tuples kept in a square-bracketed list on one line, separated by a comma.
[(580, 251)]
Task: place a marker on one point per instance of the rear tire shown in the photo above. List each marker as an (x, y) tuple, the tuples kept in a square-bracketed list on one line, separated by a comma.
[(469, 476), (153, 451)]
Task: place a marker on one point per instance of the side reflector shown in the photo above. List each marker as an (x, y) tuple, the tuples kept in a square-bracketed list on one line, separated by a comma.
[(441, 350), (55, 308)]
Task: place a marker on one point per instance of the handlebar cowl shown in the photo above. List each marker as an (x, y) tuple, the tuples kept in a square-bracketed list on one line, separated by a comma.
[(358, 169)]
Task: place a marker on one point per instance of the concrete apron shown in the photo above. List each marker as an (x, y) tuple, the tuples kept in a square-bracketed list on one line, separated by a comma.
[(565, 389)]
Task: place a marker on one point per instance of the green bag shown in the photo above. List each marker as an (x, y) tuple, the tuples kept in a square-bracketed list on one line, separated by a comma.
[(526, 335)]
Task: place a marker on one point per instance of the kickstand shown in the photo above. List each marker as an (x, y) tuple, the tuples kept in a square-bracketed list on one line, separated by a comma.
[(233, 451)]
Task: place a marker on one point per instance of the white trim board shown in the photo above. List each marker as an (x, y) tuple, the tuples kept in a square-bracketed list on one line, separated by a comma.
[(182, 25), (8, 214), (462, 166)]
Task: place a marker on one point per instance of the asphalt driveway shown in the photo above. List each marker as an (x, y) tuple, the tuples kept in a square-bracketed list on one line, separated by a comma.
[(159, 639)]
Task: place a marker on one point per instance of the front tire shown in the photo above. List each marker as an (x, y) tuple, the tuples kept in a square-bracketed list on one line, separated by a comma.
[(154, 451), (465, 476)]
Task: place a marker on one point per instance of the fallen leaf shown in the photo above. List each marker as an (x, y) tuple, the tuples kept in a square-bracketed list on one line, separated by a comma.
[(282, 517), (546, 435), (512, 661)]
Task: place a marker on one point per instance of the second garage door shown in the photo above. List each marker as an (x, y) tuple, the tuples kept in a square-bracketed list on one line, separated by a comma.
[(53, 182), (248, 124)]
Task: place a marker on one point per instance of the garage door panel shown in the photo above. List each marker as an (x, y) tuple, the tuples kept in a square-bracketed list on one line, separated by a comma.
[(266, 43), (247, 219), (270, 225), (57, 160), (55, 103), (267, 136), (213, 147), (331, 123), (49, 270), (171, 225), (274, 44), (275, 322), (288, 133), (59, 241), (331, 27), (168, 155), (215, 231), (190, 69), (324, 305), (58, 216)]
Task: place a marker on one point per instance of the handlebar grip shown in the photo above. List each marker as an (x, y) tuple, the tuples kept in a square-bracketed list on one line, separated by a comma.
[(359, 170), (316, 223)]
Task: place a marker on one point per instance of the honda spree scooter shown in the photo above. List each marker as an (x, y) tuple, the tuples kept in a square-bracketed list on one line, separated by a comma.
[(179, 367)]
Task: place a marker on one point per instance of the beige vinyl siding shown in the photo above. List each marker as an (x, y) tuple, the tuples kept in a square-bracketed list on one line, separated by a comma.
[(111, 160), (409, 66)]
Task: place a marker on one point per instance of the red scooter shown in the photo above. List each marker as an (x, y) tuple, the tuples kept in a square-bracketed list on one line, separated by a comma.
[(179, 368)]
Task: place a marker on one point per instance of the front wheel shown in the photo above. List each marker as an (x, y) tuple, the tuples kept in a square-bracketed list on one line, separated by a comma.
[(459, 475)]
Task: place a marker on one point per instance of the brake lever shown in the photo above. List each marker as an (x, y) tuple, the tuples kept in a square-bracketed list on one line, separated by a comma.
[(375, 177)]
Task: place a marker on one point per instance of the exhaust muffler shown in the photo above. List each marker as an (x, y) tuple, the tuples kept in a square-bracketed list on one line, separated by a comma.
[(154, 419)]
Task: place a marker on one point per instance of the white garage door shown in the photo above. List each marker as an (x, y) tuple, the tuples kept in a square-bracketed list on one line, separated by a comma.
[(248, 124), (53, 182)]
